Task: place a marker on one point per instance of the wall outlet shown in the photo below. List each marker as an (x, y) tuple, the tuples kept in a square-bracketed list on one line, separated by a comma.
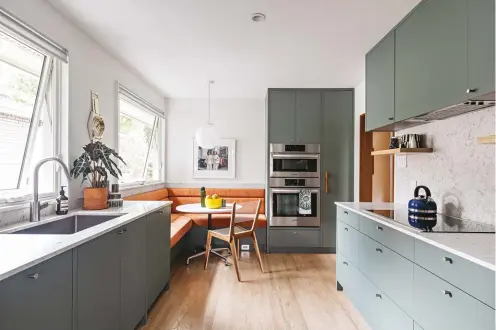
[(245, 247), (401, 161)]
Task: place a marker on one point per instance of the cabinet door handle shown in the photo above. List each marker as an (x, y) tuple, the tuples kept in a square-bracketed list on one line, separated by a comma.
[(377, 295), (345, 263), (125, 230), (391, 118), (471, 90), (379, 228), (295, 233), (326, 182), (345, 212), (448, 259), (161, 212), (345, 228), (120, 232), (378, 250), (34, 276), (447, 293)]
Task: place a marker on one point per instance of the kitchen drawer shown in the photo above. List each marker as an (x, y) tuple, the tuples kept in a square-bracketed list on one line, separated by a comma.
[(380, 312), (474, 279), (393, 239), (349, 217), (348, 241), (348, 276), (439, 305), (295, 237), (392, 273)]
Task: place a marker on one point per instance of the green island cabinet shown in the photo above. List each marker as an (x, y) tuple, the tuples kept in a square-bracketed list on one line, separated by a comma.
[(294, 116), (379, 82), (39, 297), (399, 282), (441, 54)]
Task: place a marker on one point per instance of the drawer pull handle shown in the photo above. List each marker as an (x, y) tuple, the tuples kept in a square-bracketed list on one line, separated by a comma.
[(377, 295), (345, 263), (378, 250), (447, 293), (120, 232), (161, 212), (345, 212), (295, 233), (34, 276), (379, 228), (345, 228), (447, 259)]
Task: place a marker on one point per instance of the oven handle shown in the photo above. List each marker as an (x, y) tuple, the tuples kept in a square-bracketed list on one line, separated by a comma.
[(294, 156), (294, 191)]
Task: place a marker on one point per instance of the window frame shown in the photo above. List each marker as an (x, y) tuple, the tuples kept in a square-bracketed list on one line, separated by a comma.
[(126, 95), (48, 91)]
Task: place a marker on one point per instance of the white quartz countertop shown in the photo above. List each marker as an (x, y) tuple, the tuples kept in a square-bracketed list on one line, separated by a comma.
[(19, 252), (477, 247)]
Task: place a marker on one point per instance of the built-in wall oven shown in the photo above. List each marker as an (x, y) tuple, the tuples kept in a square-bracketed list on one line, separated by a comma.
[(295, 161), (285, 196)]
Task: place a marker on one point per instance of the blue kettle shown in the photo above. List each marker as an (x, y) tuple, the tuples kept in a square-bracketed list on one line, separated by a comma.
[(422, 210)]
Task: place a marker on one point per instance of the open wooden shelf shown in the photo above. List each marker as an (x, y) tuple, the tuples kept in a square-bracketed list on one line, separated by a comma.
[(401, 151), (490, 139)]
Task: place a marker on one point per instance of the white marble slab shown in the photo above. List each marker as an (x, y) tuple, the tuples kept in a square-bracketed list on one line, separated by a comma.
[(478, 248), (22, 251)]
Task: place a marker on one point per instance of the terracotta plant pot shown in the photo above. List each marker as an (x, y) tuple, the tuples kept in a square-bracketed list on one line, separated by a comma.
[(95, 198)]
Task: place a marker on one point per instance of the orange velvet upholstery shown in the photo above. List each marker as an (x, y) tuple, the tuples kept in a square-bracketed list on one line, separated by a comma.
[(181, 223)]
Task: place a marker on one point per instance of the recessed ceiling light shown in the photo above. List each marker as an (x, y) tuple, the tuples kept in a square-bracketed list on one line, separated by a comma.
[(258, 17)]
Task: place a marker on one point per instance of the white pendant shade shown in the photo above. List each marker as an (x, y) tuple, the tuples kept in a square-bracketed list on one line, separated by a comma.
[(207, 136)]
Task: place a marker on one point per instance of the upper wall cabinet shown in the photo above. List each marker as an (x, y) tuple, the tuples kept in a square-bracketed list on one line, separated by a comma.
[(379, 82), (431, 58), (294, 116), (480, 36)]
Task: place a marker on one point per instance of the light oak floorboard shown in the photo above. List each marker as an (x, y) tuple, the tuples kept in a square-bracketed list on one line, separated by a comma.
[(298, 291)]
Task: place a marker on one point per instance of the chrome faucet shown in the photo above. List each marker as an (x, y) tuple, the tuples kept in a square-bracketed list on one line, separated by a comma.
[(36, 207)]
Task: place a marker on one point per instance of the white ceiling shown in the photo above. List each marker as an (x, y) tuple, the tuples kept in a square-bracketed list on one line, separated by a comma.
[(179, 45)]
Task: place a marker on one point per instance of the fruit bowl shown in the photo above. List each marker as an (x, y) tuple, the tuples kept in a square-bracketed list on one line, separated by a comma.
[(213, 203)]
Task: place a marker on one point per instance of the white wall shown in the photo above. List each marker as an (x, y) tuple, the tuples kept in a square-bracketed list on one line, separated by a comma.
[(90, 68), (359, 109), (240, 119)]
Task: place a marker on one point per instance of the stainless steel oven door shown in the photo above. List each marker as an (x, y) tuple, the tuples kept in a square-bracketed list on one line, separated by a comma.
[(294, 165), (285, 205)]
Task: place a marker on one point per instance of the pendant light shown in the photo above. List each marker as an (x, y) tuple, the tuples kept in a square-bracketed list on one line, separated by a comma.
[(207, 136)]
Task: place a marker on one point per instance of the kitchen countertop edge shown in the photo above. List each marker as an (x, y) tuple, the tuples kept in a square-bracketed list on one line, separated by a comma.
[(384, 221), (84, 235)]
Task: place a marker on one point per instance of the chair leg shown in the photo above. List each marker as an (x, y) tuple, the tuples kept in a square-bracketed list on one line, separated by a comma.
[(207, 249), (239, 251), (235, 258), (257, 251)]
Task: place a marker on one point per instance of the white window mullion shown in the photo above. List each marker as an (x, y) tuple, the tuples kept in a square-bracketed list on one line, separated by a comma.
[(35, 118), (152, 137)]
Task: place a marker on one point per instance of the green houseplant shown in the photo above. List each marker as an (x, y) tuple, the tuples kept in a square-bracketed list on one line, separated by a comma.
[(94, 166)]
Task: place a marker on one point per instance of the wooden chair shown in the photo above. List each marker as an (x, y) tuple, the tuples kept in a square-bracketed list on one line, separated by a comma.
[(241, 213)]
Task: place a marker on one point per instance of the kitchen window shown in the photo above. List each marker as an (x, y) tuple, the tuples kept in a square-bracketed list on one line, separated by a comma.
[(30, 71), (140, 139)]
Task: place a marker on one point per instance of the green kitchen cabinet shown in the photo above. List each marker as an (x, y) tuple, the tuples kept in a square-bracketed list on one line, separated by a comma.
[(98, 283), (480, 39), (379, 82), (39, 297), (133, 277), (157, 254), (431, 58), (281, 116), (307, 116), (336, 152)]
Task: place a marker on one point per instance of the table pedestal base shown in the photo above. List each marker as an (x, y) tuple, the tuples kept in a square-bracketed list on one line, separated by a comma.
[(213, 251)]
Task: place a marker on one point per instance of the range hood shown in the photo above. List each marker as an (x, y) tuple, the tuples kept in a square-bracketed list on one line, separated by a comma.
[(485, 101)]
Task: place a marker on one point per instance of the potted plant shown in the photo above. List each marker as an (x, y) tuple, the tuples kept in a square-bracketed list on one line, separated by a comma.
[(93, 165)]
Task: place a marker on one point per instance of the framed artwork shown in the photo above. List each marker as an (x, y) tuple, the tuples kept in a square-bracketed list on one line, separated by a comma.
[(216, 163)]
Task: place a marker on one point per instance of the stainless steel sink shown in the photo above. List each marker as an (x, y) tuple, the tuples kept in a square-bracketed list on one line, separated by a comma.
[(66, 226)]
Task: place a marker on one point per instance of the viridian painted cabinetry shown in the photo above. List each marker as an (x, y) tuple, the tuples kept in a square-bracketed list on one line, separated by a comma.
[(399, 282)]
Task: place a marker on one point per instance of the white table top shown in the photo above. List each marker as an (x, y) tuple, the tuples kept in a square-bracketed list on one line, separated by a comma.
[(196, 208)]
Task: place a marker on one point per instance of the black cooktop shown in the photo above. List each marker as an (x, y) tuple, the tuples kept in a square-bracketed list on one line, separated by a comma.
[(445, 223)]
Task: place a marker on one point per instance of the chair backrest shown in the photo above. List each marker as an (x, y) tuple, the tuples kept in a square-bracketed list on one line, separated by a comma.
[(245, 213)]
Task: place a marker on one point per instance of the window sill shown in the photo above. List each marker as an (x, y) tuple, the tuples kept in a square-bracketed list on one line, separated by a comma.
[(19, 203), (130, 186)]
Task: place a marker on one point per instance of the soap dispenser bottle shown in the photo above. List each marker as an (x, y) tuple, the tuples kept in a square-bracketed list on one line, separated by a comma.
[(62, 202)]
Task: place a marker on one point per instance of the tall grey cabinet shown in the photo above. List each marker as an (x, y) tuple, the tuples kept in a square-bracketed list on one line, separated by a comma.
[(315, 116)]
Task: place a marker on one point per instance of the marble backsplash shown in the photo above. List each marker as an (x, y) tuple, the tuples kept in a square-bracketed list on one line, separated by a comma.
[(10, 215), (460, 172)]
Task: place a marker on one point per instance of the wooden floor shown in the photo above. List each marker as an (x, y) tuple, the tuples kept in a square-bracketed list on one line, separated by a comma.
[(297, 292)]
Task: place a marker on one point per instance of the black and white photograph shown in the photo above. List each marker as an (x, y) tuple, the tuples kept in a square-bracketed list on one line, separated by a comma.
[(217, 162)]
